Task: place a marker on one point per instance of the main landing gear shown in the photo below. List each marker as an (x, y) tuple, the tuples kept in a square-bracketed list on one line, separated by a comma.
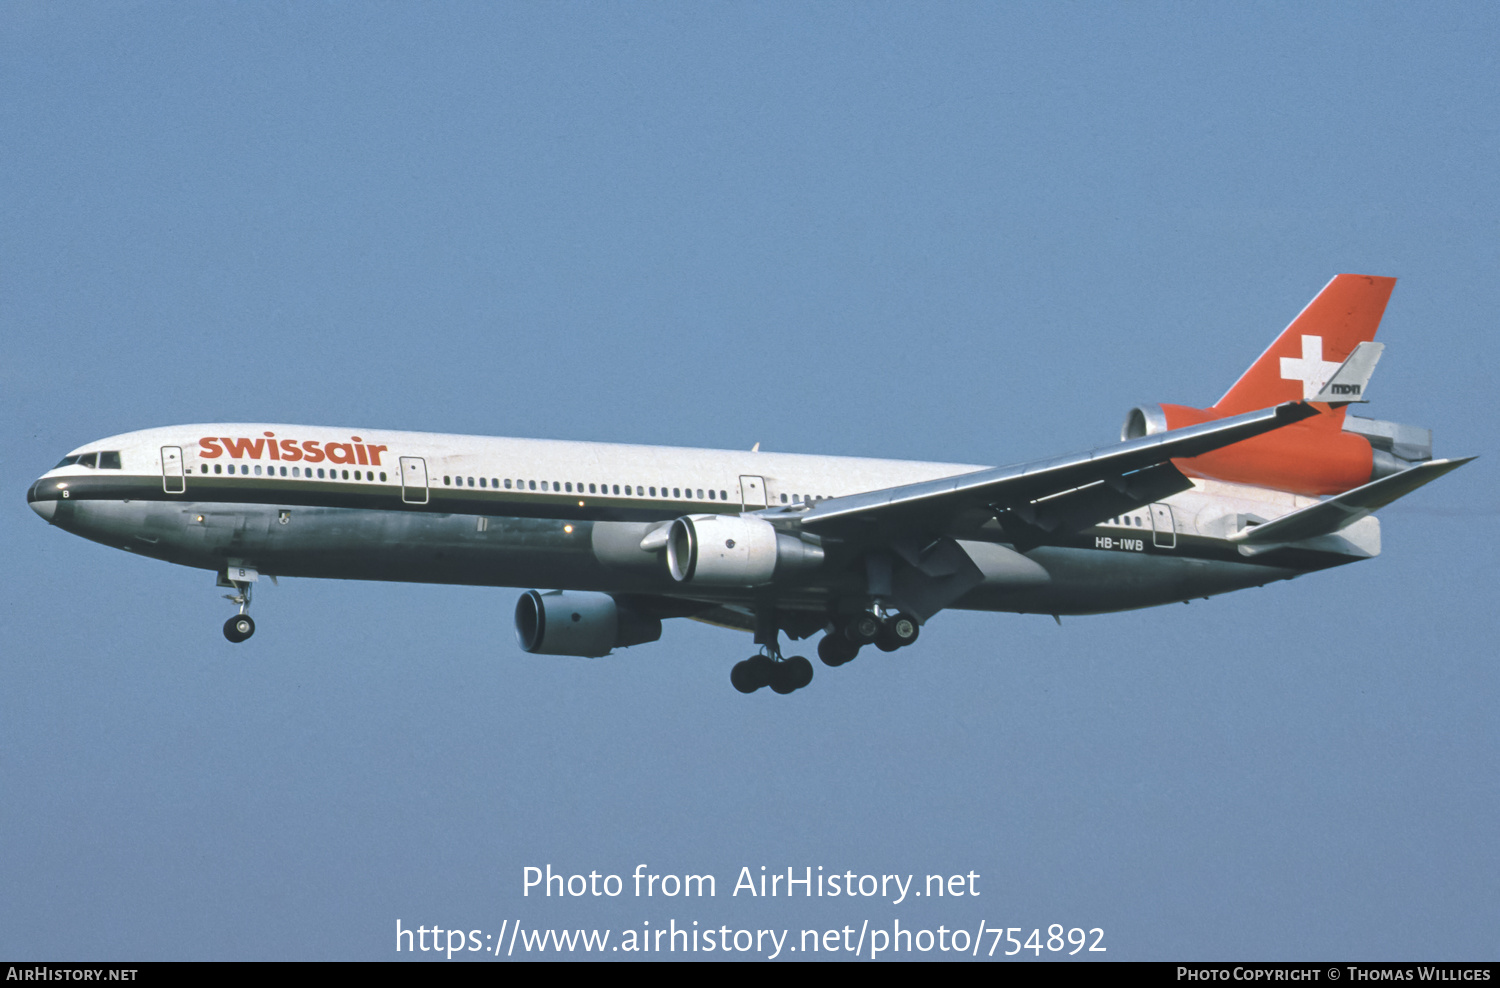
[(768, 669), (884, 629), (886, 632), (241, 626)]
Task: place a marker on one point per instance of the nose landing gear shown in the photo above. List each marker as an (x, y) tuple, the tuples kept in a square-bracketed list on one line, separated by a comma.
[(241, 578)]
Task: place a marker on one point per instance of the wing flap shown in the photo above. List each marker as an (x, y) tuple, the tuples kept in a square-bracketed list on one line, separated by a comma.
[(1084, 506)]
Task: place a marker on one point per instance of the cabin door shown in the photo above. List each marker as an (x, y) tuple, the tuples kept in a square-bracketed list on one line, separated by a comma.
[(1165, 536), (753, 493), (413, 480), (172, 479)]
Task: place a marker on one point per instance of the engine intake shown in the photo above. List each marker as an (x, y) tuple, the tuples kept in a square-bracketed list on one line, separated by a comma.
[(735, 551), (571, 622), (1143, 420)]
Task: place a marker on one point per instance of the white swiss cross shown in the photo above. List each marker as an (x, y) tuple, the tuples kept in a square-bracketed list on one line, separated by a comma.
[(1312, 370)]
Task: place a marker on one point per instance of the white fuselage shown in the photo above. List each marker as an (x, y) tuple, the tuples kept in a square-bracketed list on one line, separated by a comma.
[(375, 504)]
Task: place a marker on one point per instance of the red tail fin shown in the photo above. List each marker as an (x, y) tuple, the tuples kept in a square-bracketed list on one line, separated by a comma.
[(1294, 368)]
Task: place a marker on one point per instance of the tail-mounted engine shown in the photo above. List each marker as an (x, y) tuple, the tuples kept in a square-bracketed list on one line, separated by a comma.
[(570, 622), (735, 551)]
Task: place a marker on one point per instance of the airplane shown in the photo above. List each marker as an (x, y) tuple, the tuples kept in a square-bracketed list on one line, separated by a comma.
[(1274, 480)]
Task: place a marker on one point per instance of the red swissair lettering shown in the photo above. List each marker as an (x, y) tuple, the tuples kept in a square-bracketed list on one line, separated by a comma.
[(291, 450)]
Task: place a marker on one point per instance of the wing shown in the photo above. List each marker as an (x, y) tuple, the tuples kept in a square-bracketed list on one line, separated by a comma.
[(1043, 495)]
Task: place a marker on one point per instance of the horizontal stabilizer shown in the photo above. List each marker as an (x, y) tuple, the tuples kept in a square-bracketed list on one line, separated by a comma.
[(1347, 508), (1351, 381)]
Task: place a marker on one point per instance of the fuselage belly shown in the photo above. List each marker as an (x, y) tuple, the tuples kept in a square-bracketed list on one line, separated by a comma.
[(508, 551)]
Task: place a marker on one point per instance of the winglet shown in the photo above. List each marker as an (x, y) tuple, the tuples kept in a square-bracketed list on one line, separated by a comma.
[(1348, 383)]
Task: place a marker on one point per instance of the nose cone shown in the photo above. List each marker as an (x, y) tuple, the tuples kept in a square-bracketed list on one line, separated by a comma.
[(46, 507)]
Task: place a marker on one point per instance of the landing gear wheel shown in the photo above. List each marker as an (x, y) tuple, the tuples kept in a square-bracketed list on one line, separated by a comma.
[(751, 674), (791, 675), (239, 627), (799, 671), (862, 629), (835, 650), (899, 632)]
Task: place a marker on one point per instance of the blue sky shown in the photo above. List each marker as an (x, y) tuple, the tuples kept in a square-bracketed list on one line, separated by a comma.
[(976, 233)]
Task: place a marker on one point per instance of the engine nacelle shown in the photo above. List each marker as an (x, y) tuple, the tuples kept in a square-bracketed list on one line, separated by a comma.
[(571, 622), (1143, 420), (735, 551)]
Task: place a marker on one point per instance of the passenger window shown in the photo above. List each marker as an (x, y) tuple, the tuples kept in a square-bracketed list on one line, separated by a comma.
[(382, 475), (653, 492), (677, 492), (495, 483), (783, 499), (218, 468), (471, 481), (244, 470), (700, 492), (320, 474), (570, 488), (110, 460), (203, 468), (591, 489), (723, 495), (481, 481), (711, 495), (88, 460), (617, 489)]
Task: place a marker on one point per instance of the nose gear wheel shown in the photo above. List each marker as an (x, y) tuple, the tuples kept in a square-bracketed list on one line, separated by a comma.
[(241, 626)]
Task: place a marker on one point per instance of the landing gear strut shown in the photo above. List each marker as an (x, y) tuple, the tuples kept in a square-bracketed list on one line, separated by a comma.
[(241, 626)]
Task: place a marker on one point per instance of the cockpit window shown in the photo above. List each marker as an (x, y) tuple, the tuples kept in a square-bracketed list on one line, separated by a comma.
[(109, 460), (88, 460), (66, 461)]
